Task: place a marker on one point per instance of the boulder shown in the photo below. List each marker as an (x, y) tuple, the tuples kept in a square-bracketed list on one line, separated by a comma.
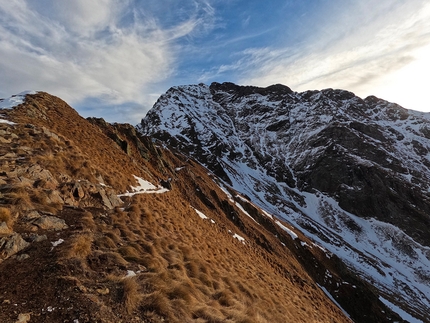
[(11, 245), (39, 174), (110, 199)]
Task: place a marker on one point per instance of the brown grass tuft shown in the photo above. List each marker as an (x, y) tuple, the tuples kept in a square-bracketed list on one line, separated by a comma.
[(19, 197), (78, 247), (6, 216), (158, 303), (184, 291), (104, 242), (114, 235), (88, 221), (129, 253), (131, 296), (114, 259), (224, 298), (209, 314), (148, 247)]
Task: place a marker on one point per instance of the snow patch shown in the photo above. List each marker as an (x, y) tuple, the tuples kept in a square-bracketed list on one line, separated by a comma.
[(130, 273), (238, 237), (7, 121), (290, 232), (398, 310), (144, 187), (333, 300), (202, 215), (14, 100), (56, 243)]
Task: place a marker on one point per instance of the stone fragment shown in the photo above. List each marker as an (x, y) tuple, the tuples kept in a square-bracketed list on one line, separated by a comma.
[(109, 199), (38, 238), (54, 197), (4, 229), (23, 318), (33, 215), (5, 141), (36, 172), (102, 291), (47, 222), (26, 181), (22, 257), (50, 134)]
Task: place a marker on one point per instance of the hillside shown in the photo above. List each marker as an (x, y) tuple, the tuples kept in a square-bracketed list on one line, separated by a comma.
[(352, 174), (101, 224)]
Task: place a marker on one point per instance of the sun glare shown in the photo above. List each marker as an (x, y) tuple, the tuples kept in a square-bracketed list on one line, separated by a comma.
[(409, 85)]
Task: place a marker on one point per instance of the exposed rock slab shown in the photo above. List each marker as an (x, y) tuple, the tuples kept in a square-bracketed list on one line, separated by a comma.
[(47, 222)]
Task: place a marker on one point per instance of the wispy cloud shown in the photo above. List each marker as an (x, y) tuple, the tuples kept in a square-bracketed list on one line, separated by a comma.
[(363, 46), (84, 51), (113, 58)]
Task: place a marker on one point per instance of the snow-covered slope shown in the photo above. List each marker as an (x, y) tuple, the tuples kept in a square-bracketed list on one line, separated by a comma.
[(351, 174)]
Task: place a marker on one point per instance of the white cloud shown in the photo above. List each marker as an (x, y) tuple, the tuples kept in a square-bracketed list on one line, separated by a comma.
[(365, 47), (82, 49)]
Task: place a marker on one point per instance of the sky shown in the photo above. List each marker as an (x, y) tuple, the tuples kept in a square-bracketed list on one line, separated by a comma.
[(113, 59)]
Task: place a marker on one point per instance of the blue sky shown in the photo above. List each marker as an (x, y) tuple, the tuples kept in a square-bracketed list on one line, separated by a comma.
[(112, 59)]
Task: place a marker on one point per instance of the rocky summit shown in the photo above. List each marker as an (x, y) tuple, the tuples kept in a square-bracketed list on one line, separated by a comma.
[(226, 204)]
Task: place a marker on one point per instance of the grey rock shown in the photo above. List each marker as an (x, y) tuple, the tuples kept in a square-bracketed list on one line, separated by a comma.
[(11, 245), (47, 222)]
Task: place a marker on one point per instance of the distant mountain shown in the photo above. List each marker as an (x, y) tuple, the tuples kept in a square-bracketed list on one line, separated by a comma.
[(351, 174)]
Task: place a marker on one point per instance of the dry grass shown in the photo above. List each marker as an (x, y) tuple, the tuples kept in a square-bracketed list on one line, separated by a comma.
[(209, 314), (40, 200), (131, 297), (6, 216), (105, 242), (224, 298), (79, 246), (87, 221), (158, 302), (18, 196)]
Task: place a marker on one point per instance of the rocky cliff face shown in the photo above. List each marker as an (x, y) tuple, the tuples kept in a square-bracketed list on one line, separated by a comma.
[(353, 174)]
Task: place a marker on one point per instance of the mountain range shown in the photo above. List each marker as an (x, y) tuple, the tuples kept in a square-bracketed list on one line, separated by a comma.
[(226, 203)]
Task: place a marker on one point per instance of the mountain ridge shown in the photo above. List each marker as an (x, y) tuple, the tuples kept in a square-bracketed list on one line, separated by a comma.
[(346, 171), (101, 224)]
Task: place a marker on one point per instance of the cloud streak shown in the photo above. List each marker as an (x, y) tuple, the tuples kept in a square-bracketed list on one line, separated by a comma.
[(80, 50), (114, 58), (355, 52)]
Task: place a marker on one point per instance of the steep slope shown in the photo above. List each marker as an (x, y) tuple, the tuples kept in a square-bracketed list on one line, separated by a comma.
[(352, 174), (99, 224)]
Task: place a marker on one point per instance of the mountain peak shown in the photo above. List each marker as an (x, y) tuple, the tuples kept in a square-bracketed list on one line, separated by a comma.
[(352, 174), (247, 90)]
